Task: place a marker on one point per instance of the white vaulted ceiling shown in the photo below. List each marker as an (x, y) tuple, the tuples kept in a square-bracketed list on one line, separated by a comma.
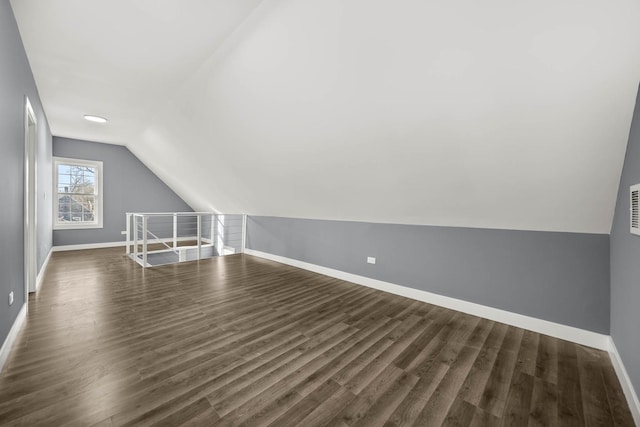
[(495, 114), (118, 58)]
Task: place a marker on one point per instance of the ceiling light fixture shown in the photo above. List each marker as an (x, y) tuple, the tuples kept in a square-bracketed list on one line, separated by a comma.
[(96, 119)]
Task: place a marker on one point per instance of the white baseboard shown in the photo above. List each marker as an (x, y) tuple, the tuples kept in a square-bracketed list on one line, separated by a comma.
[(13, 334), (42, 270), (88, 246), (569, 333), (625, 381)]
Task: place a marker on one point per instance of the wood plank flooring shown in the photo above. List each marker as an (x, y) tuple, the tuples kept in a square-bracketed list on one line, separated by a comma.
[(239, 340)]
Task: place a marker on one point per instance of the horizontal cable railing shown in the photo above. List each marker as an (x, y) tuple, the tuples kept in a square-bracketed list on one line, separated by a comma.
[(157, 238)]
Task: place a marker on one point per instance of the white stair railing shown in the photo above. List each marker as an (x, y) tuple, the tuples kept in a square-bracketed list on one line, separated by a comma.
[(182, 236)]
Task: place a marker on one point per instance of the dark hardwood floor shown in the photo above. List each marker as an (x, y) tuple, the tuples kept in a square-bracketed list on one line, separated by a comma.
[(239, 340)]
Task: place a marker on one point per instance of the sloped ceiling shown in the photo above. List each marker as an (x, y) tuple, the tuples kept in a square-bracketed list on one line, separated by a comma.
[(495, 114)]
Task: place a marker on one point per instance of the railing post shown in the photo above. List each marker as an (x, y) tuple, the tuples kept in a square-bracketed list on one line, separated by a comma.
[(175, 231), (128, 228), (244, 232), (199, 236), (144, 241), (135, 238)]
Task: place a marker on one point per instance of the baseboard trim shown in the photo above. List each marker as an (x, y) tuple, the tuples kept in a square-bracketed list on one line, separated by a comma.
[(625, 381), (40, 275), (64, 248), (13, 334), (568, 333)]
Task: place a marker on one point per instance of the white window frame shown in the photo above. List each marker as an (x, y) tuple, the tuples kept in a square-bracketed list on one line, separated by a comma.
[(97, 191)]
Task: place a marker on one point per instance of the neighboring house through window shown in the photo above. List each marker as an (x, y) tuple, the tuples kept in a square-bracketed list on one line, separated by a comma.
[(78, 193)]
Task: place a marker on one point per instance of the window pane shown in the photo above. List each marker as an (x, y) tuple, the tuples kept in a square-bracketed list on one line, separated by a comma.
[(89, 206), (63, 208), (76, 192), (87, 183), (83, 207), (82, 180), (89, 179), (63, 213), (64, 180), (76, 208)]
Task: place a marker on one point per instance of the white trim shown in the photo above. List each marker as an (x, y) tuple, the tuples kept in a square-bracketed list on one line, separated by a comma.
[(171, 213), (569, 333), (13, 334), (42, 270), (178, 249), (625, 381), (180, 239), (98, 193), (30, 198), (123, 243), (88, 246)]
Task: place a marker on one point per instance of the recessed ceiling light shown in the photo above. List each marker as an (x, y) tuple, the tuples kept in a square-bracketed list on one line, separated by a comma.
[(96, 119)]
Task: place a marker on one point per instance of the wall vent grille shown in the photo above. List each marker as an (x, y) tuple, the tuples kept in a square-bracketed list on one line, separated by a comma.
[(635, 209)]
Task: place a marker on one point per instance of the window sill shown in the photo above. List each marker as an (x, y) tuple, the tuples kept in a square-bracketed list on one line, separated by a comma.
[(76, 226)]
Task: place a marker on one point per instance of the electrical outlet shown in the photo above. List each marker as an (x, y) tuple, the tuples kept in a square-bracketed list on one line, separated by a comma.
[(10, 297), (371, 260)]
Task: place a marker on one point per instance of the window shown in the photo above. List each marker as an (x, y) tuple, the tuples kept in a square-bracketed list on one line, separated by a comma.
[(77, 186)]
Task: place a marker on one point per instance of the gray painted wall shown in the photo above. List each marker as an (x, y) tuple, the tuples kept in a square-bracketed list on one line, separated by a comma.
[(625, 263), (128, 186), (16, 81), (560, 277)]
